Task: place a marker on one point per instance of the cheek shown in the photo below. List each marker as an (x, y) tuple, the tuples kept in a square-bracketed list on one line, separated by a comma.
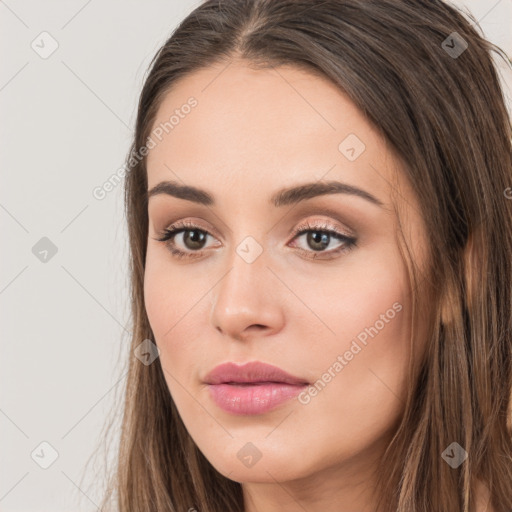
[(368, 299), (169, 292), (166, 302), (361, 369), (158, 295), (175, 301)]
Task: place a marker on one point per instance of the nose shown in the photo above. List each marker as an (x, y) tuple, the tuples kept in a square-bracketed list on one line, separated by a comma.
[(248, 301)]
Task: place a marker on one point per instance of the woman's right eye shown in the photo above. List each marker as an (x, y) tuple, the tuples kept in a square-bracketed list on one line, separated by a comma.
[(192, 238)]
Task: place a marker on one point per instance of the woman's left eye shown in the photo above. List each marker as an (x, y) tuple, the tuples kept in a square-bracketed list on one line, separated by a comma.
[(319, 237)]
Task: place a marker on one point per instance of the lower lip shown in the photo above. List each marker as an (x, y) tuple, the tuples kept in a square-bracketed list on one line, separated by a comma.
[(252, 398)]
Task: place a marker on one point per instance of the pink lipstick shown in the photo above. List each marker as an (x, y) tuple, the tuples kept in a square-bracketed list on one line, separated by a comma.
[(252, 388)]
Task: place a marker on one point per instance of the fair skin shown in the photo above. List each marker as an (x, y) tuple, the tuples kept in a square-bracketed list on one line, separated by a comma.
[(251, 134)]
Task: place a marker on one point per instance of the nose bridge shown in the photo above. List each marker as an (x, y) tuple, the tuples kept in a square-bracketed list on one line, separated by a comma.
[(247, 275), (246, 293)]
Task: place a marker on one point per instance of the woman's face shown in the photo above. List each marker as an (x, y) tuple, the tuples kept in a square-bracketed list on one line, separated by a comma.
[(332, 310)]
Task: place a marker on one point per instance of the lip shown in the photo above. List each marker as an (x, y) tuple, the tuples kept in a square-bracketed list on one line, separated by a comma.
[(252, 388)]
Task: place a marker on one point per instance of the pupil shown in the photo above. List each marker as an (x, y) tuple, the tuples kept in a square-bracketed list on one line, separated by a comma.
[(196, 241), (316, 237)]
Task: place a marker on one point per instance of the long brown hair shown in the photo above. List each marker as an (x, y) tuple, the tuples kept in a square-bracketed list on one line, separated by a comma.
[(425, 77)]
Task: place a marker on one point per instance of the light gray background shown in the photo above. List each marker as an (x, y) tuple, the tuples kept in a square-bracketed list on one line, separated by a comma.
[(66, 126)]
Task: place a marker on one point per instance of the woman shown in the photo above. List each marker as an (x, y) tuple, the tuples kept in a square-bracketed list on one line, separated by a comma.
[(320, 237)]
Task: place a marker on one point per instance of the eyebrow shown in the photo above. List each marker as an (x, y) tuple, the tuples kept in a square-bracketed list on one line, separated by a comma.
[(284, 197)]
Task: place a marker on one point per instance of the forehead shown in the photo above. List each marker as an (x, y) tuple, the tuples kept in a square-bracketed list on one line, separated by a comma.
[(265, 129)]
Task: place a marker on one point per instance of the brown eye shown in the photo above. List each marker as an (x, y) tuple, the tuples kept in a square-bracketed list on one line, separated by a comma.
[(193, 239), (185, 240), (318, 240), (319, 237)]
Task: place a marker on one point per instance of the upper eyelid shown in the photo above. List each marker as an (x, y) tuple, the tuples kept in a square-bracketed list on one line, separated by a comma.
[(300, 226), (190, 224)]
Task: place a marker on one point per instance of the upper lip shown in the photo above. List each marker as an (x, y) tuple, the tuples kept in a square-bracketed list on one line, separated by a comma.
[(250, 372)]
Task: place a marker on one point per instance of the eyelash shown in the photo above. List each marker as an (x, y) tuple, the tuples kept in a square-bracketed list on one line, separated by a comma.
[(168, 235)]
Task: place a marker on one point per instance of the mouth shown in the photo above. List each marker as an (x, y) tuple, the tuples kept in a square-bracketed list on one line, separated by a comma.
[(252, 398), (254, 388), (256, 383), (252, 373)]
